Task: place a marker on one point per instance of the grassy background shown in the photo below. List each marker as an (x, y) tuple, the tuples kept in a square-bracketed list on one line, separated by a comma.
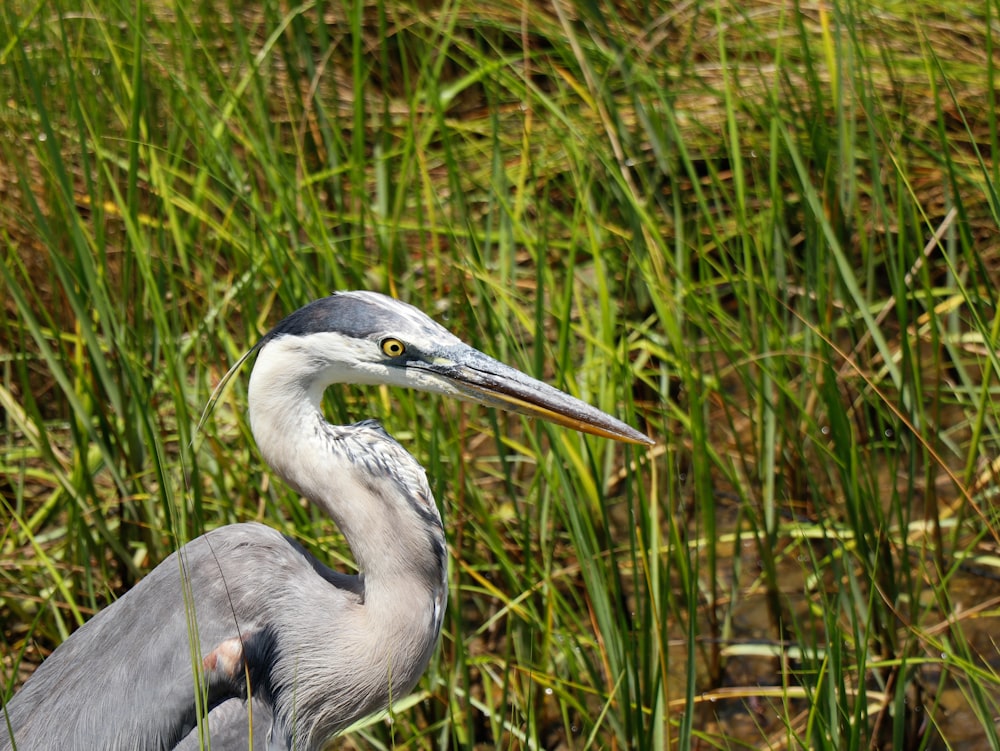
[(765, 232)]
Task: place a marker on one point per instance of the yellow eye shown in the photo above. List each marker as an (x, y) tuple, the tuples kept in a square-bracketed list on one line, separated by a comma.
[(393, 347)]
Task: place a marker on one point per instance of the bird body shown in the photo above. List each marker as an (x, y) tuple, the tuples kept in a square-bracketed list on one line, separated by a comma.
[(263, 590), (243, 616)]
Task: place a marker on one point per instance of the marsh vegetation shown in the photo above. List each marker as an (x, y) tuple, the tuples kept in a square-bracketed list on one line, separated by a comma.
[(765, 232)]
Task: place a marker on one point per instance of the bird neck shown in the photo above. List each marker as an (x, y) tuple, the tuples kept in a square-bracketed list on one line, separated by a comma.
[(373, 490)]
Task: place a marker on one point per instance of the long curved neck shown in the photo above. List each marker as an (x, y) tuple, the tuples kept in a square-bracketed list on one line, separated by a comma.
[(373, 490)]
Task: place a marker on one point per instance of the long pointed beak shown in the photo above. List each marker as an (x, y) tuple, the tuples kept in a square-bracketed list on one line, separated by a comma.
[(479, 378)]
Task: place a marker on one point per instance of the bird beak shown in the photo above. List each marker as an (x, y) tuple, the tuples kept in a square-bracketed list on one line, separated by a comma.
[(479, 378)]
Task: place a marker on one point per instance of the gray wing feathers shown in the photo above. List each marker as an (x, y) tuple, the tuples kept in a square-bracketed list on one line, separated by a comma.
[(143, 697), (229, 729)]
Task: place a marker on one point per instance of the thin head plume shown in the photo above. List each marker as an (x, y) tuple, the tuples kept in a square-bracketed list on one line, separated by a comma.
[(221, 387)]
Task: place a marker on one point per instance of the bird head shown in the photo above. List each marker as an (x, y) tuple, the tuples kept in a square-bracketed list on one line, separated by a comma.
[(369, 338)]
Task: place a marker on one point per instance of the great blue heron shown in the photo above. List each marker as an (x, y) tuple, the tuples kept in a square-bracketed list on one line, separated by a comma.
[(245, 611)]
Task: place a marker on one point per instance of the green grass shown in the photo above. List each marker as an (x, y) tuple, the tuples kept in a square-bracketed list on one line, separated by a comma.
[(766, 233)]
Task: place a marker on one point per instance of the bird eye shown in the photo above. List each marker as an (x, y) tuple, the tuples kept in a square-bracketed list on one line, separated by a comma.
[(393, 347)]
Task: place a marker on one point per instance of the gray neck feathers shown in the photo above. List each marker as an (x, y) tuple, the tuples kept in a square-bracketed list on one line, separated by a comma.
[(378, 496)]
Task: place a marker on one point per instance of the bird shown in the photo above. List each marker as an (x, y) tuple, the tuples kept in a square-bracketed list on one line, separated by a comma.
[(243, 632)]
